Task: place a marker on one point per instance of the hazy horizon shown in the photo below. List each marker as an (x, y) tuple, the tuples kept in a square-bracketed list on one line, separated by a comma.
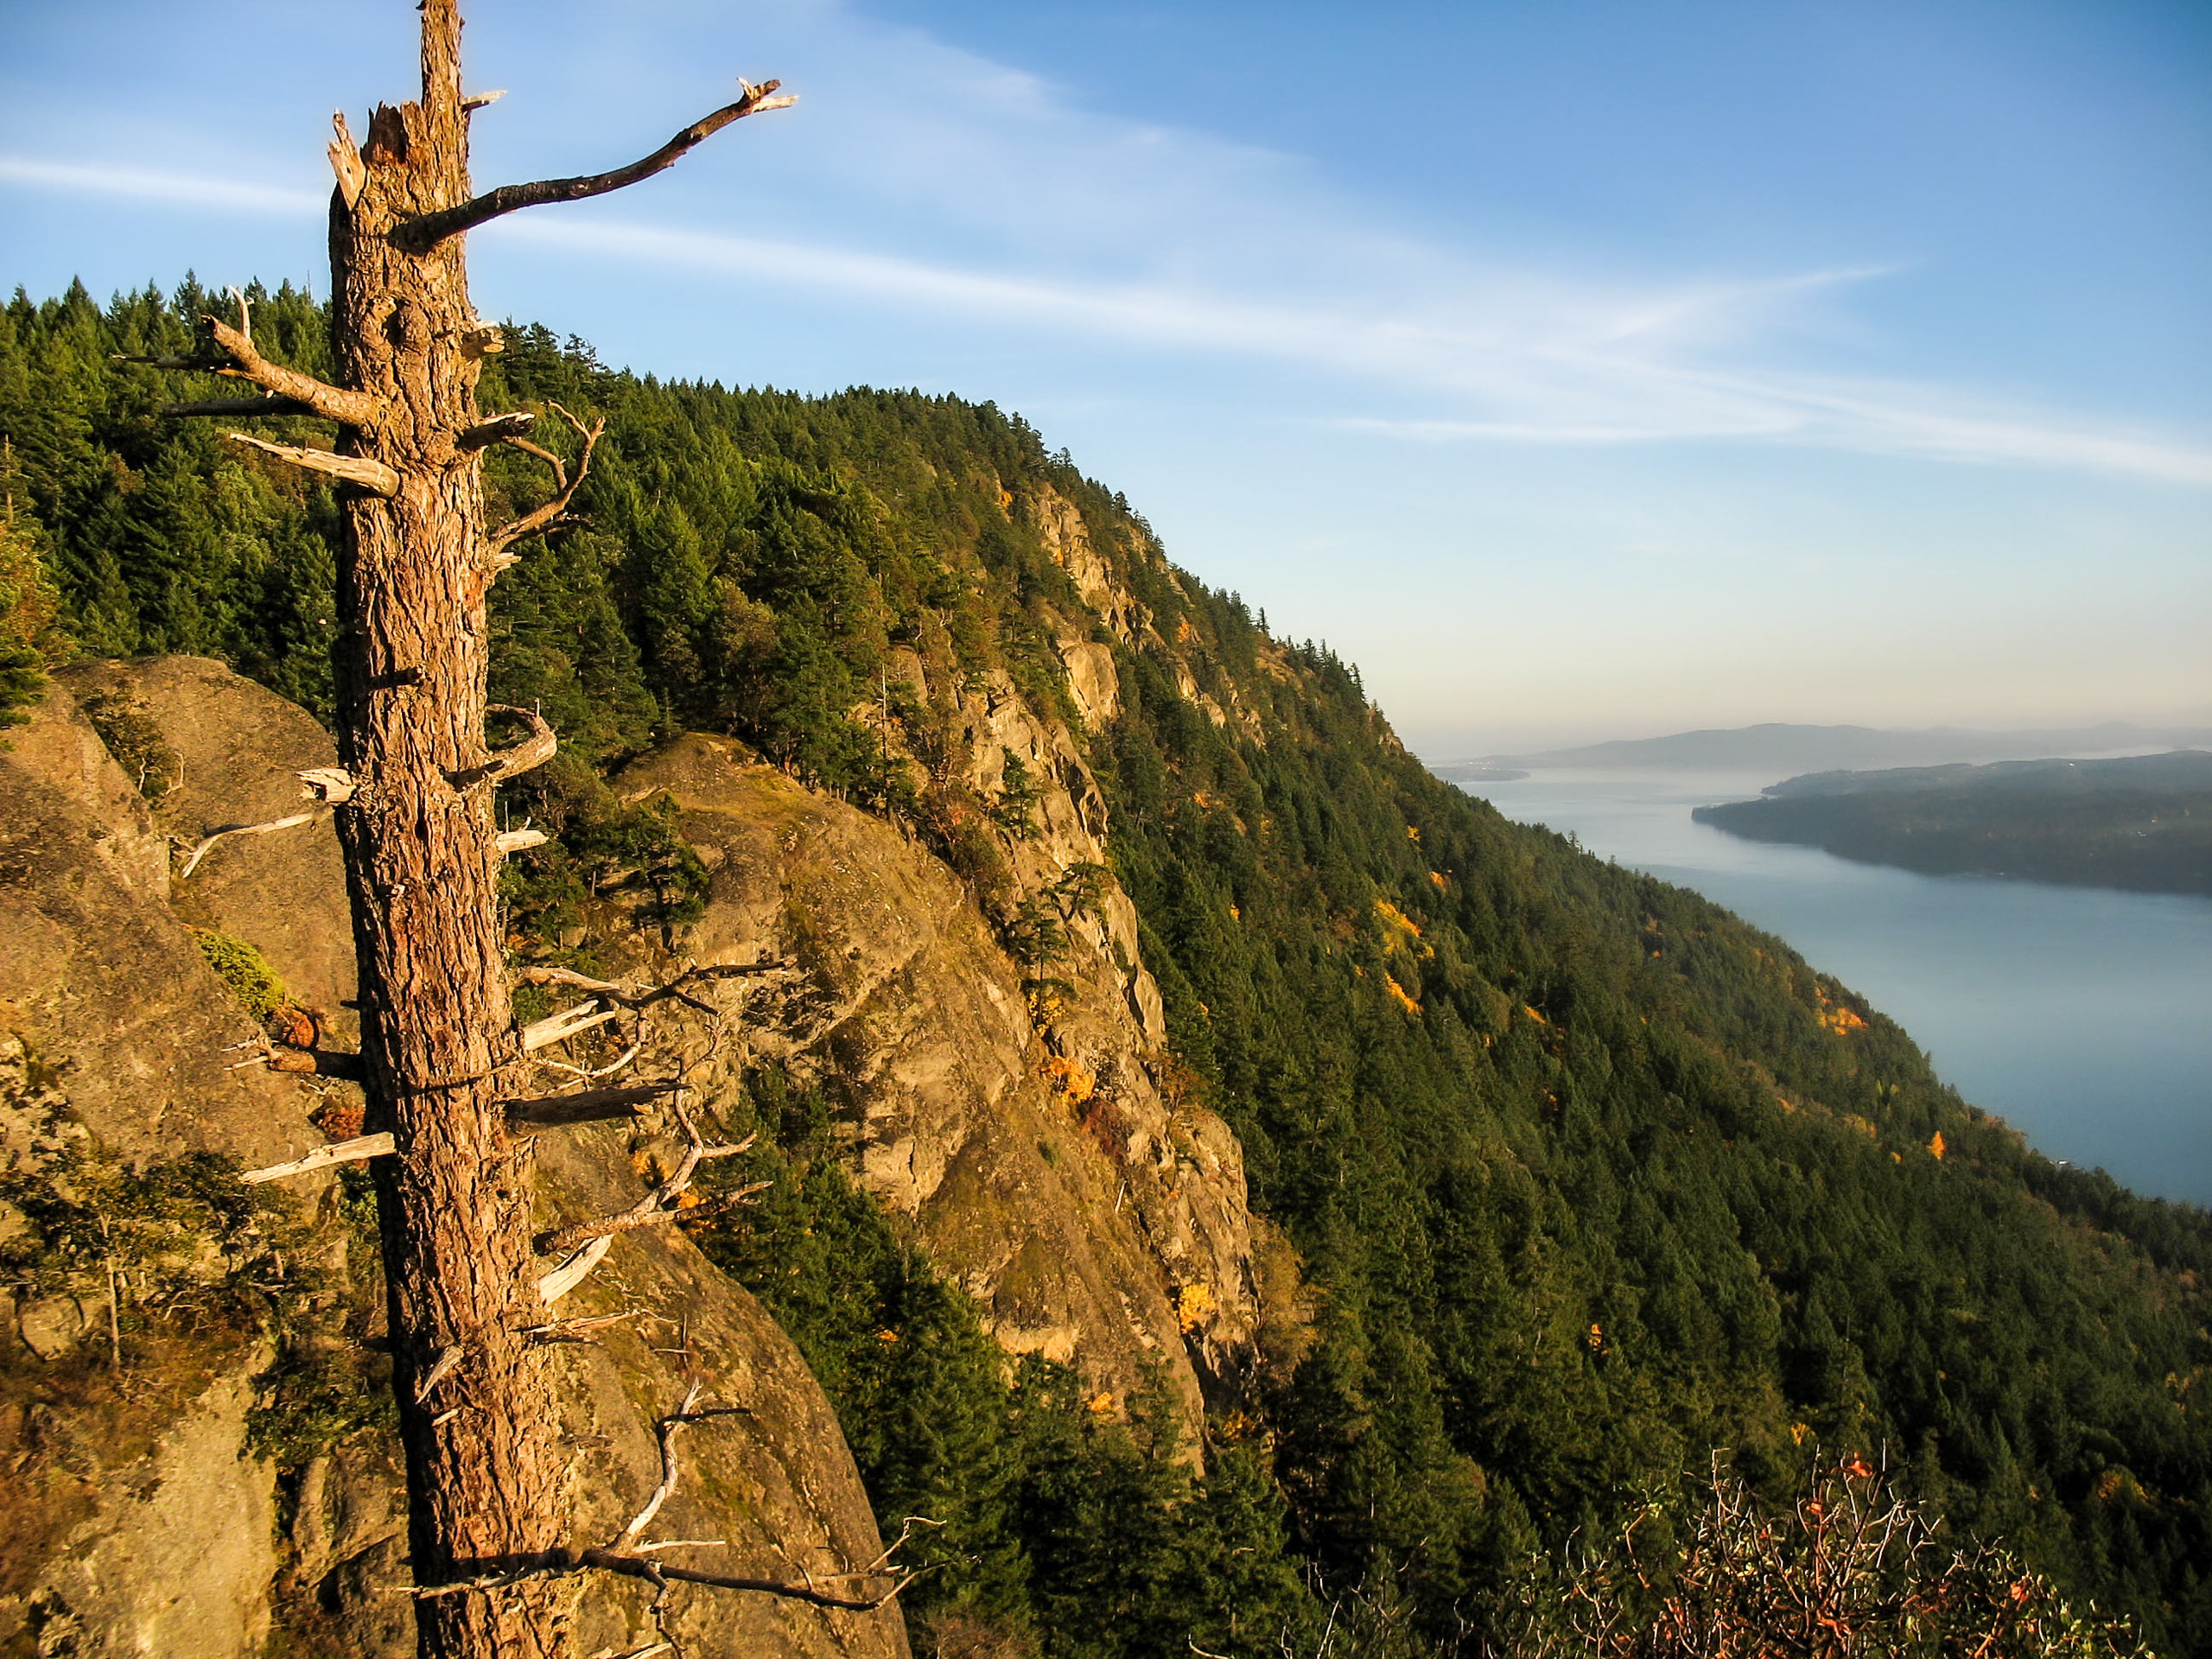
[(1580, 374), (1443, 744)]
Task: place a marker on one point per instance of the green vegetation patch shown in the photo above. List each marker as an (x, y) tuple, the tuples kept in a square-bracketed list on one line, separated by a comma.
[(1072, 1526), (128, 729), (245, 973)]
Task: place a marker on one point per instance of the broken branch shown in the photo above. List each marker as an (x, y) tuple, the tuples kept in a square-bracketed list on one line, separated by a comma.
[(346, 162), (331, 785), (338, 1152), (372, 475), (533, 751), (555, 1027), (574, 1271), (207, 841), (585, 1106), (270, 403), (421, 234), (448, 1356), (332, 402), (508, 427)]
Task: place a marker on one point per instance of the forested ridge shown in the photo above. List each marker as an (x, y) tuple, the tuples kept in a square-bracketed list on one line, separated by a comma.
[(1588, 1178), (2139, 821)]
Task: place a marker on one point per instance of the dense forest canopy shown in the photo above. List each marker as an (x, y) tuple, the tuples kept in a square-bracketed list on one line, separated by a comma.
[(1587, 1177)]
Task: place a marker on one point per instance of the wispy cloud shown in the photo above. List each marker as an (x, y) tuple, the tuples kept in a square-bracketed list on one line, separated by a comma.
[(1512, 357), (152, 184)]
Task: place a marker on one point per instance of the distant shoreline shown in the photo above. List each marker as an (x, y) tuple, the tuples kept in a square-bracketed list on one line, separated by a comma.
[(2140, 824)]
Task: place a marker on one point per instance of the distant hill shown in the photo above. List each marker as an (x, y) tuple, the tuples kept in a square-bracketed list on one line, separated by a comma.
[(2141, 821), (1811, 749)]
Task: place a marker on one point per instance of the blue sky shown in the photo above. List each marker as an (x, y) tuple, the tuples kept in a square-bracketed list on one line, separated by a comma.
[(1578, 369)]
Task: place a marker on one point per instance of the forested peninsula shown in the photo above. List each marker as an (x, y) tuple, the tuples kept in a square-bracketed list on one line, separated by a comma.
[(1366, 1202), (2142, 823)]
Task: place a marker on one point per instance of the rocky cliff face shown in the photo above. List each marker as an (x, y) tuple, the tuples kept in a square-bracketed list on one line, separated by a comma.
[(997, 1043), (1020, 1125), (145, 1513)]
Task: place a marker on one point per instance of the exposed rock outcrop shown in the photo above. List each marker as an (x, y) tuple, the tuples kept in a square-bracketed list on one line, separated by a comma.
[(1014, 1109), (138, 1522)]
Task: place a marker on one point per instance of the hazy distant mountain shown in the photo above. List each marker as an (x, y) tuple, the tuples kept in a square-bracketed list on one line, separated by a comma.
[(1790, 748)]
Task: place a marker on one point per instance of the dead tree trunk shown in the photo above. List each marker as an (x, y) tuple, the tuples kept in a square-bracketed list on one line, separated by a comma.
[(453, 1205), (440, 1047)]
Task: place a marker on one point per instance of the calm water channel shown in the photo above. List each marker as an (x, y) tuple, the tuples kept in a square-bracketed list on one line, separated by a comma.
[(2082, 1017)]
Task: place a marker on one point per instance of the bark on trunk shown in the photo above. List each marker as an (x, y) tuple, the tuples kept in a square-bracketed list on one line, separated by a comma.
[(440, 1047), (484, 1479)]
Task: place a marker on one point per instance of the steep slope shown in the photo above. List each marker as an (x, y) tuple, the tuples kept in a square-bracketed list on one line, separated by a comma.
[(222, 1468), (1048, 1177), (1588, 1178)]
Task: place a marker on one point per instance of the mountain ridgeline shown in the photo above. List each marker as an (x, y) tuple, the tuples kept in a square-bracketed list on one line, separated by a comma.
[(1564, 1177)]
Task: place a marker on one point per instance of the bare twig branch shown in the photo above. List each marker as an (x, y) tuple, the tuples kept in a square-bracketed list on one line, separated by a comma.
[(565, 486), (427, 232), (585, 1074), (560, 468), (573, 1329), (623, 1553), (664, 1203), (338, 1152), (372, 475), (650, 1213), (666, 1428), (609, 992), (636, 1566), (642, 1567), (625, 1556), (207, 841)]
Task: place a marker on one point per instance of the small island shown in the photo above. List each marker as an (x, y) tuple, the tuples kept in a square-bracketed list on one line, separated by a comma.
[(2141, 822)]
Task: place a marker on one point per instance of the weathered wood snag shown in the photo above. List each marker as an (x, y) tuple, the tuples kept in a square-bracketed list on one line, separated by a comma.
[(440, 1053)]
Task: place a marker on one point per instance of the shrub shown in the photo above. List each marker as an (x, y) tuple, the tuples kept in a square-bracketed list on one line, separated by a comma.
[(1851, 1567)]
